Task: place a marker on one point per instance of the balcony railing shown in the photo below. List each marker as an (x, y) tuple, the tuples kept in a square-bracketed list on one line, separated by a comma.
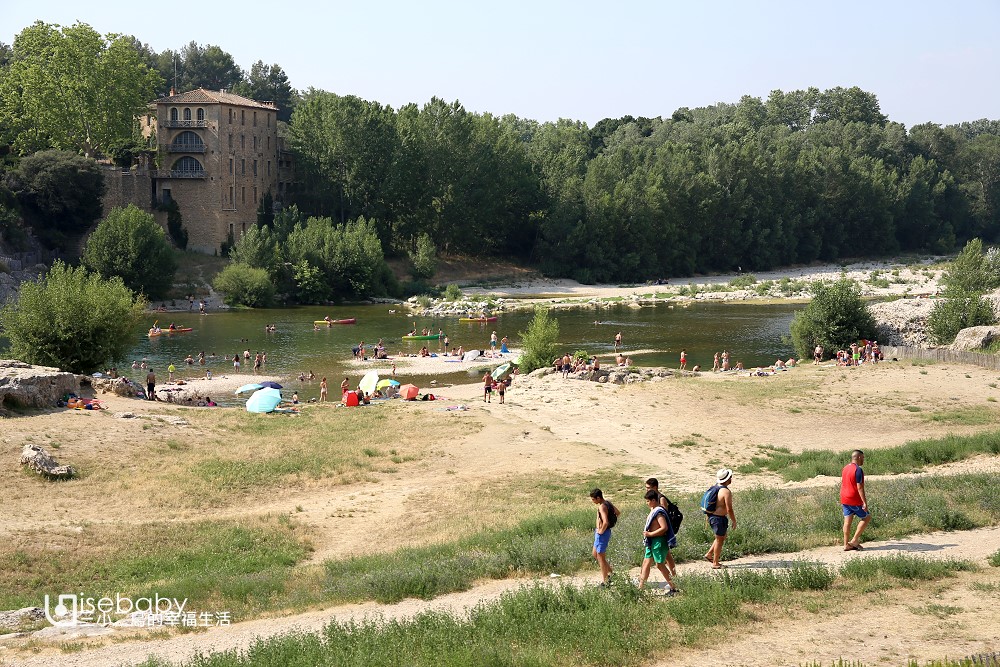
[(183, 148), (171, 173), (185, 123)]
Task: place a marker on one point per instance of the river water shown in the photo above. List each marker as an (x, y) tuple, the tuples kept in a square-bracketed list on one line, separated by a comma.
[(755, 334)]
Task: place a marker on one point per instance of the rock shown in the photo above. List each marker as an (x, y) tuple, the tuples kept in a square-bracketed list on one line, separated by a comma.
[(126, 415), (72, 631), (41, 462), (27, 386), (975, 338), (541, 372), (902, 322), (12, 620)]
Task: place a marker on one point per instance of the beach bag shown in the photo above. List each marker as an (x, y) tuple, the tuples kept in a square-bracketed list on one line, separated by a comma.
[(612, 514), (710, 500)]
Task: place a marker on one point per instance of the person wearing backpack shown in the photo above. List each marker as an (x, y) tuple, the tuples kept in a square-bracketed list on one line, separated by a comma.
[(717, 504), (607, 517), (674, 518), (654, 536)]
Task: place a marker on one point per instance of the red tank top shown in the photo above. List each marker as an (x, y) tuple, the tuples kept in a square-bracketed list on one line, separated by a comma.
[(849, 486)]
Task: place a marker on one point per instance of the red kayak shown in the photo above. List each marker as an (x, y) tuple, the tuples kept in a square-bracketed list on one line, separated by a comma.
[(350, 320), (153, 332)]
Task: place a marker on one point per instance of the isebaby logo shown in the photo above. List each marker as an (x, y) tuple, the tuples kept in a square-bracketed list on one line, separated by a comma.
[(71, 609)]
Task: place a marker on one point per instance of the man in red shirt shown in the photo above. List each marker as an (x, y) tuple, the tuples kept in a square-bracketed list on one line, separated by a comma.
[(853, 500)]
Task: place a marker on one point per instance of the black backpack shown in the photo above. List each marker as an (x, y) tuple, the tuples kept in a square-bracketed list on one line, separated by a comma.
[(674, 515), (612, 514)]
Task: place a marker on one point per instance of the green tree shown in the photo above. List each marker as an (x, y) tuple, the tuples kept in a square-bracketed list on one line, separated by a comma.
[(207, 67), (958, 311), (128, 244), (973, 271), (59, 194), (72, 89), (72, 319), (835, 318), (269, 83), (423, 257), (539, 341), (244, 285)]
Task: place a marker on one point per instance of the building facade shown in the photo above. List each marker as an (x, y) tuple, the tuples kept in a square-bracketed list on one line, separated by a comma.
[(217, 157)]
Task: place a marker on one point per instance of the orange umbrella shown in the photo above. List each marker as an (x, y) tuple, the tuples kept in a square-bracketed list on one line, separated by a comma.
[(408, 392)]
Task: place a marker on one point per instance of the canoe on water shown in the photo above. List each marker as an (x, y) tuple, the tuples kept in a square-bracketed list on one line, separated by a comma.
[(431, 337), (477, 319), (169, 331), (350, 320)]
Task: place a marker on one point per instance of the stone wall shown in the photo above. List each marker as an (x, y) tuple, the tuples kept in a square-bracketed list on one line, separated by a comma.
[(127, 187)]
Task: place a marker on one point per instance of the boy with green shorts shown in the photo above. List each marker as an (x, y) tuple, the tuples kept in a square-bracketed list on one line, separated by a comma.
[(655, 538)]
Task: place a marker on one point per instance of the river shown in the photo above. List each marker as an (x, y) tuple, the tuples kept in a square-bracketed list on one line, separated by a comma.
[(753, 333)]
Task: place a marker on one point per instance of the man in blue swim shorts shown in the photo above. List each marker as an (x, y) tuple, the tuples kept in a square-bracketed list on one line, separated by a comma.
[(607, 516), (853, 500)]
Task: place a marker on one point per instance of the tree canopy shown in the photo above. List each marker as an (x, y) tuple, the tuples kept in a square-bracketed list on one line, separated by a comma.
[(128, 244), (71, 88)]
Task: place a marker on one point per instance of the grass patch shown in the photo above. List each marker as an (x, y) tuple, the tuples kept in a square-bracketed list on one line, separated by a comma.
[(237, 566), (974, 416), (873, 574), (908, 457), (995, 559)]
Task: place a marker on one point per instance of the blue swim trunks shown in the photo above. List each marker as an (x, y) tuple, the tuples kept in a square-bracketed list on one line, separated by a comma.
[(719, 525), (601, 541), (856, 510)]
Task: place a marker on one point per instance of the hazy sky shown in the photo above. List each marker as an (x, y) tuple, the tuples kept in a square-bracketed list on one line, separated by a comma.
[(926, 61)]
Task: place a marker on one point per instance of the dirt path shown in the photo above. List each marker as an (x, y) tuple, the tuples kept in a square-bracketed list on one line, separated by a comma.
[(889, 633)]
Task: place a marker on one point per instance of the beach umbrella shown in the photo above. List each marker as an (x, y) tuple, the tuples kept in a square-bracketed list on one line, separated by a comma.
[(502, 371), (408, 392), (264, 400), (382, 384), (470, 355), (368, 382), (253, 386), (272, 385)]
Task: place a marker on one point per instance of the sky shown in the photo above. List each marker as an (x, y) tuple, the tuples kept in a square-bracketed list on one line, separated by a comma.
[(584, 60)]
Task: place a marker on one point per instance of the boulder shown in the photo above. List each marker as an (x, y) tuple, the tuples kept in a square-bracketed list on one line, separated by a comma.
[(41, 462), (902, 322), (975, 338), (27, 386)]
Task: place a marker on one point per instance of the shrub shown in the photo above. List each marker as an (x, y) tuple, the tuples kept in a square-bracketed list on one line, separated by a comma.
[(245, 286), (452, 292), (539, 341), (973, 270), (957, 312), (128, 244), (835, 318), (71, 319), (175, 224), (423, 257), (743, 282)]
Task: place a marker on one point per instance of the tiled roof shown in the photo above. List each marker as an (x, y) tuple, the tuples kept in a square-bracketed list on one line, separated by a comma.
[(202, 96)]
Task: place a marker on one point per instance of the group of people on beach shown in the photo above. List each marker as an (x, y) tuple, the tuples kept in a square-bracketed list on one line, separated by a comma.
[(664, 519)]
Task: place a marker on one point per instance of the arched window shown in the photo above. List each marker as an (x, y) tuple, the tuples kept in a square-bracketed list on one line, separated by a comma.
[(187, 114), (189, 138), (173, 113), (188, 165), (201, 114)]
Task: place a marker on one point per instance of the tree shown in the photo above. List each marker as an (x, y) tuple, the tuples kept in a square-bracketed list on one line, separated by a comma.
[(59, 194), (72, 319), (539, 341), (72, 89), (245, 286), (207, 67), (269, 83), (424, 257), (958, 311), (128, 244), (835, 318), (973, 271)]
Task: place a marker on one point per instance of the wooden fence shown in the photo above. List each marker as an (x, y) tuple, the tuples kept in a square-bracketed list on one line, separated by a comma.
[(991, 361)]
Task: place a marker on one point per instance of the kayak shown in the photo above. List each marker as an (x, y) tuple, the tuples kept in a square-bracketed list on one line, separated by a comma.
[(350, 320), (477, 319), (431, 337), (169, 331)]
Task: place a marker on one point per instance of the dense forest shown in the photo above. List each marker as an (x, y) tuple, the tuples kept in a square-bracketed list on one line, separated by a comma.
[(800, 176)]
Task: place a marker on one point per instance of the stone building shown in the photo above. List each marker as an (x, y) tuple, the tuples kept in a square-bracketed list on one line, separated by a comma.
[(217, 157)]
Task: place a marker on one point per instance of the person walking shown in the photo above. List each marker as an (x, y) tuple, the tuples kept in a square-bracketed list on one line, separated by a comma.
[(653, 484), (684, 359), (607, 517), (654, 537), (618, 340), (717, 503), (501, 389), (487, 388), (853, 500), (493, 342), (150, 385)]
